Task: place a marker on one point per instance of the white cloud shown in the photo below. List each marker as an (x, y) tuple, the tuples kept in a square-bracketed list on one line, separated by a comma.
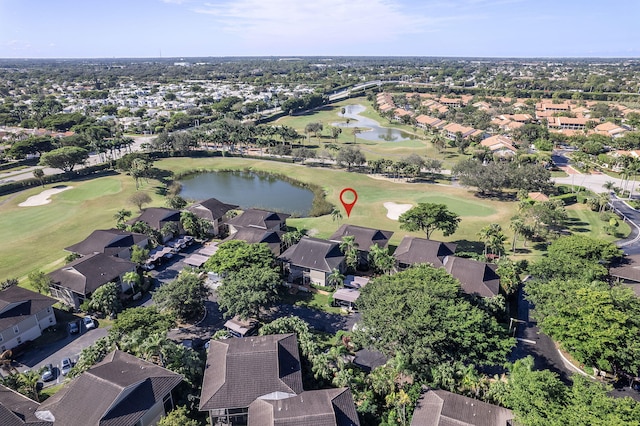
[(296, 22)]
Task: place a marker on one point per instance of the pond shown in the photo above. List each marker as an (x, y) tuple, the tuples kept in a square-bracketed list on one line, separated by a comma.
[(374, 131), (248, 190)]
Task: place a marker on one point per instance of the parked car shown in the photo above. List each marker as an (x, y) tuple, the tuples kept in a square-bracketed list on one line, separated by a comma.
[(73, 328), (65, 366), (48, 373), (89, 323)]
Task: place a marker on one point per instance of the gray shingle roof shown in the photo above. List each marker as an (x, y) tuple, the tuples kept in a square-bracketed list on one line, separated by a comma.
[(108, 241), (258, 235), (17, 303), (414, 250), (314, 253), (18, 410), (364, 237), (442, 408), (116, 392), (86, 274), (259, 219), (327, 407), (211, 209), (240, 370), (475, 277), (156, 216)]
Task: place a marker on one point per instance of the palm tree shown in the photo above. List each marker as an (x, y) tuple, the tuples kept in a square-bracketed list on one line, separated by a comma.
[(120, 216), (335, 279), (153, 348), (488, 233), (292, 237), (131, 278), (517, 226), (380, 259), (29, 384), (349, 247), (336, 214)]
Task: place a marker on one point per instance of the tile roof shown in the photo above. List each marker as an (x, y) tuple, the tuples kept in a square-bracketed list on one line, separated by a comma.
[(211, 209), (118, 391), (259, 219), (85, 275), (478, 278), (109, 241), (498, 143), (414, 250), (314, 253), (238, 371), (326, 407), (627, 269), (18, 410), (17, 303), (364, 237), (442, 408)]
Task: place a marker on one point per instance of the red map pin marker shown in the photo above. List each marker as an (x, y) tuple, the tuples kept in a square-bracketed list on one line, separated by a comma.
[(348, 206)]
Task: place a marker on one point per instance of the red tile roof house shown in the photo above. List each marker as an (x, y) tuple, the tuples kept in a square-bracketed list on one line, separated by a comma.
[(215, 212), (452, 128), (441, 408), (23, 316), (114, 242), (121, 390), (500, 145), (257, 381), (312, 260), (76, 281), (364, 238), (18, 410)]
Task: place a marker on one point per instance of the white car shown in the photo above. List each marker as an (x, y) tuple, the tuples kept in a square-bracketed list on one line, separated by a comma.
[(65, 366), (89, 323)]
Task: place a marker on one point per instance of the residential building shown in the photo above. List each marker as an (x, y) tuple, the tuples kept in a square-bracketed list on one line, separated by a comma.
[(121, 390), (256, 218), (114, 242), (312, 260), (476, 278), (452, 129), (270, 237), (364, 238), (437, 407), (610, 129), (414, 251), (76, 281), (568, 123), (215, 212), (23, 316), (158, 217), (18, 410), (500, 145), (239, 371), (326, 407)]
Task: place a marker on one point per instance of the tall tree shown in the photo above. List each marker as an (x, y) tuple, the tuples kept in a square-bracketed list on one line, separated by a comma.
[(349, 248), (236, 255), (418, 314), (106, 299), (185, 296), (65, 158), (245, 292), (428, 217)]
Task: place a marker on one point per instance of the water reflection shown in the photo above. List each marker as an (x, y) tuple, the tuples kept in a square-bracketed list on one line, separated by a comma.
[(373, 132)]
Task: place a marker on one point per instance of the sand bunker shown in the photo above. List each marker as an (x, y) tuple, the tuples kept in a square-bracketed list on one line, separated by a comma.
[(394, 210), (43, 198)]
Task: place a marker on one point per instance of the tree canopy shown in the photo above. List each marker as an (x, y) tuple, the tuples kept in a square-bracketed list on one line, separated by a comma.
[(65, 158), (419, 314), (428, 217), (244, 292), (235, 255), (184, 296)]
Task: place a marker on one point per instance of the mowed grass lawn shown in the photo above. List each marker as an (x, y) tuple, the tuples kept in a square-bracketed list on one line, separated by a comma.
[(372, 194), (34, 237), (330, 114)]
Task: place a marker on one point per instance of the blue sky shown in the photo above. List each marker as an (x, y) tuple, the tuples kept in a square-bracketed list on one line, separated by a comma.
[(185, 28)]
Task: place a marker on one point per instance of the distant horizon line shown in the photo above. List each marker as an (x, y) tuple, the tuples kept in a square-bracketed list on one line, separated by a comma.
[(301, 57)]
